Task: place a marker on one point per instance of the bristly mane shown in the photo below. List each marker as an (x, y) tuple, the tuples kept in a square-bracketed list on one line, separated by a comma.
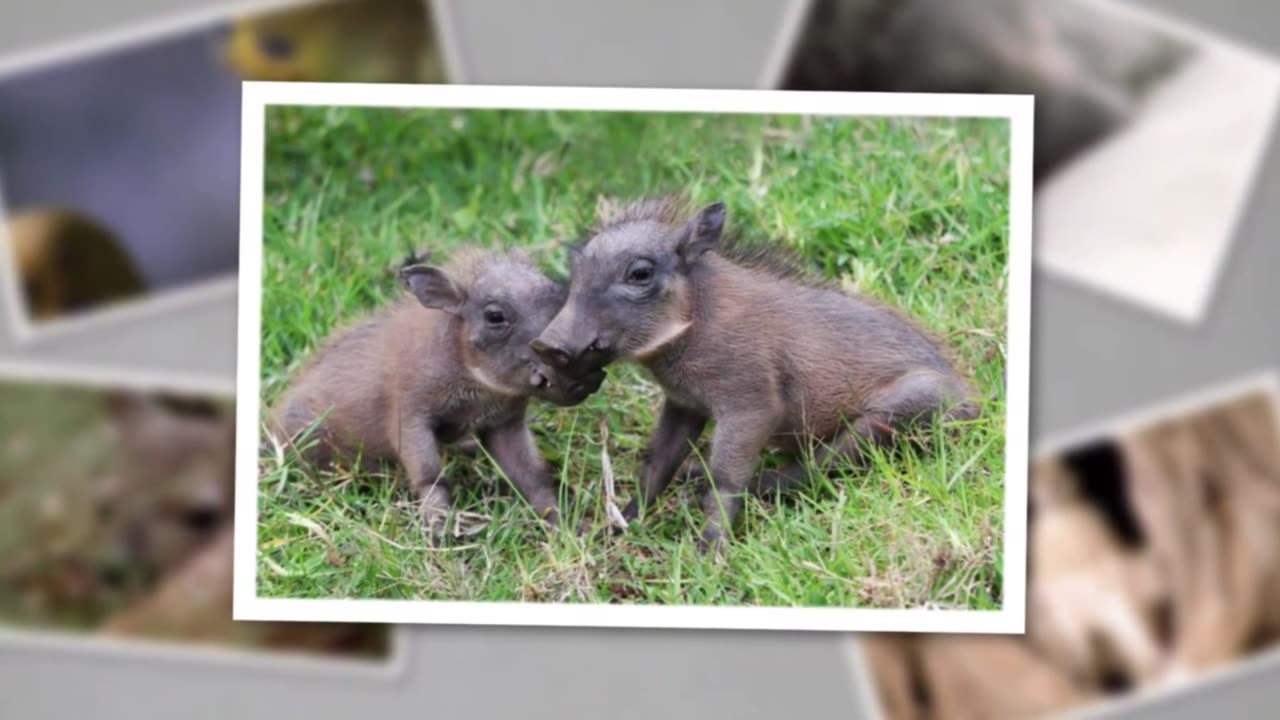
[(465, 262), (766, 255), (672, 210), (772, 257), (415, 257)]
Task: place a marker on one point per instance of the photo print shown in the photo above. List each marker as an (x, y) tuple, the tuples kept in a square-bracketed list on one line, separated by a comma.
[(572, 356), (1149, 132), (116, 509), (119, 161)]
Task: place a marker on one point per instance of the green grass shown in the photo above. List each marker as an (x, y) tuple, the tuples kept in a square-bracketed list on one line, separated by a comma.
[(53, 448), (911, 211)]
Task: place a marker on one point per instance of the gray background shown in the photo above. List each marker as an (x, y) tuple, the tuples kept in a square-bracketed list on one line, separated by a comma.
[(1093, 357)]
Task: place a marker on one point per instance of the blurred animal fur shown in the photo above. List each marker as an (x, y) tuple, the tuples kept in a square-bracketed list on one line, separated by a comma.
[(1088, 68), (966, 677), (1092, 599), (153, 536), (1205, 494), (67, 263), (1208, 492)]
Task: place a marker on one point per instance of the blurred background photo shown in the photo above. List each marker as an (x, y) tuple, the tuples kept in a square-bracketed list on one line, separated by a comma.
[(119, 166), (1148, 133), (1154, 564), (116, 519)]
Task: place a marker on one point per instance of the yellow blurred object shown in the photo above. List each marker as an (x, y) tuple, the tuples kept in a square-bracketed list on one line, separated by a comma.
[(344, 41), (67, 262)]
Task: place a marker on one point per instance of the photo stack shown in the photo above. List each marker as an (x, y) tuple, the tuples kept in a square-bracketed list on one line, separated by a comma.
[(743, 359), (119, 182)]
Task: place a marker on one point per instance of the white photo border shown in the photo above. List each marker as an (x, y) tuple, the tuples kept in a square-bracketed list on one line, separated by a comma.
[(1018, 110)]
